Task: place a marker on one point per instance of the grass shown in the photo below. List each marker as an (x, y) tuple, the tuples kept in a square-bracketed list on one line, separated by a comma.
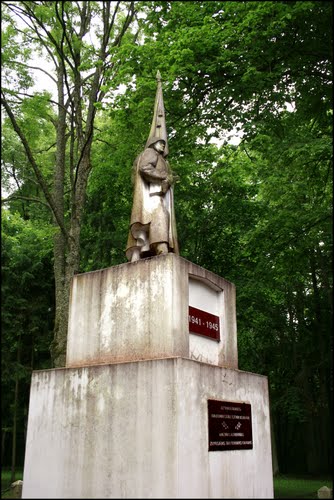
[(284, 486), (299, 487)]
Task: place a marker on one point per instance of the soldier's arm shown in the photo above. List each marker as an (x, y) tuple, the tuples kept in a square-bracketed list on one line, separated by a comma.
[(147, 166)]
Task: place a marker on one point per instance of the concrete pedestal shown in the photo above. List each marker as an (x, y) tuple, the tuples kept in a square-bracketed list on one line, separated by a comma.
[(140, 430), (141, 311), (129, 415)]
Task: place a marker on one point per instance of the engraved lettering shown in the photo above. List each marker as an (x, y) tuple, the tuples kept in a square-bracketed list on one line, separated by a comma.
[(238, 417), (224, 434), (231, 408), (231, 421)]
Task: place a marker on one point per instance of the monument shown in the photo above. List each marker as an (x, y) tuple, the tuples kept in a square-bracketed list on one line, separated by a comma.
[(151, 403), (152, 227)]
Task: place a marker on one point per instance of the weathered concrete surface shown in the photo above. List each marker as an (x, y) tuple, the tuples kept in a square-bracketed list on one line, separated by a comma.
[(140, 430), (140, 311)]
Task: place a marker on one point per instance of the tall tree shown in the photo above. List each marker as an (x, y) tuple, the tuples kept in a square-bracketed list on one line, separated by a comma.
[(285, 277), (27, 298), (82, 71), (234, 64)]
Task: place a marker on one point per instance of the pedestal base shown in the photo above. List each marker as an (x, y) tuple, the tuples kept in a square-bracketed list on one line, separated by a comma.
[(140, 310), (140, 430)]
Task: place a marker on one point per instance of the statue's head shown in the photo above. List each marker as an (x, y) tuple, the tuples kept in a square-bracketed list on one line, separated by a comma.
[(156, 143)]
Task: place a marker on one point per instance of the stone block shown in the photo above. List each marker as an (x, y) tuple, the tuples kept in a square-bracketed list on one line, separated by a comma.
[(16, 489), (325, 492), (140, 430), (140, 310)]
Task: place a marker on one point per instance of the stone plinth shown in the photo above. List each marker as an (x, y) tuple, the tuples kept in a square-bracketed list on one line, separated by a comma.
[(140, 430), (140, 311), (151, 403)]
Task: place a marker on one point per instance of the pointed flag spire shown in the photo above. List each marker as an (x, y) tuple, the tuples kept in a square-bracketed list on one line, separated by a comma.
[(158, 127)]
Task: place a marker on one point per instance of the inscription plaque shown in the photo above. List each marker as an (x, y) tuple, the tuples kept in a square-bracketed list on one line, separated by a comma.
[(204, 323), (230, 425)]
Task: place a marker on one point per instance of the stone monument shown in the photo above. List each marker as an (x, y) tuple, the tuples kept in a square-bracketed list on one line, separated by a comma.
[(151, 403)]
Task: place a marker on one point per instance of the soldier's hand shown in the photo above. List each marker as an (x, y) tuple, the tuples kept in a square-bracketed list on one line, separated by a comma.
[(165, 186)]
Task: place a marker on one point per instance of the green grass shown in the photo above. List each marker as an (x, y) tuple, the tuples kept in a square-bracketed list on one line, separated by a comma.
[(284, 486), (293, 487)]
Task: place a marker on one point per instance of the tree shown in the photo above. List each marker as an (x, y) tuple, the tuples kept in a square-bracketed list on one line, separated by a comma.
[(292, 248), (82, 73), (27, 295), (234, 64)]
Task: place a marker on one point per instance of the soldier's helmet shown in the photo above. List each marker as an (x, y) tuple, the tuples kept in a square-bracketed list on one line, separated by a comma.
[(153, 140)]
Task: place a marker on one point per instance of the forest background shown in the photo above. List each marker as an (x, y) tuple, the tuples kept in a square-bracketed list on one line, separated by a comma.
[(257, 211)]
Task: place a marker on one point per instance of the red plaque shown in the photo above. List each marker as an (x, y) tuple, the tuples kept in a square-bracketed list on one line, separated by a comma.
[(204, 323), (230, 425)]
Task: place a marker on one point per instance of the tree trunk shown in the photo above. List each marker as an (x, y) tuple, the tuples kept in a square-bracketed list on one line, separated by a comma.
[(58, 345), (273, 446), (68, 266), (76, 101), (322, 322), (3, 444)]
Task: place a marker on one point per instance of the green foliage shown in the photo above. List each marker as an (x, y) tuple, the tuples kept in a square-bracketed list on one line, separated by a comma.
[(20, 186), (291, 487), (26, 276), (233, 63), (14, 54), (27, 312)]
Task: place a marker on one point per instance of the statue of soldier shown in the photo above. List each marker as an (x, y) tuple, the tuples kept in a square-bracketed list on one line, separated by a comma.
[(152, 227)]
